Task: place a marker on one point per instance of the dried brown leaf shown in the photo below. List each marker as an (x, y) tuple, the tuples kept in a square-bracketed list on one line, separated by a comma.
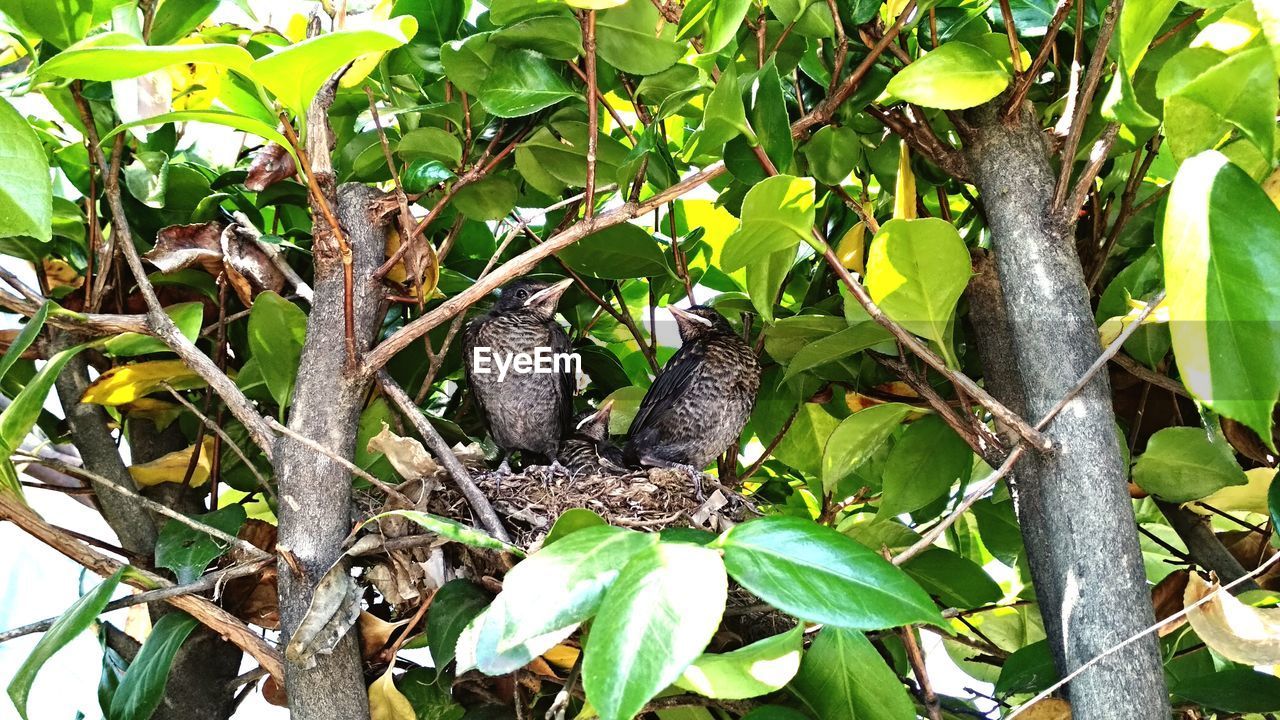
[(270, 165), (183, 246), (335, 607), (407, 456), (375, 633), (1166, 597), (1234, 630), (243, 256)]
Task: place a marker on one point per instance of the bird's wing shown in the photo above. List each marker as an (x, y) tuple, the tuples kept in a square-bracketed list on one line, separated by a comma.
[(568, 382), (676, 376), (470, 335)]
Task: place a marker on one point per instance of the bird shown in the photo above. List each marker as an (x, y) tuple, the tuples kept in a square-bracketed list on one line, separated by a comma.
[(586, 449), (700, 401), (525, 411)]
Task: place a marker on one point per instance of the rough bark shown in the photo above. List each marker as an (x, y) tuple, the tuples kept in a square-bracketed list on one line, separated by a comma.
[(315, 492), (1076, 516)]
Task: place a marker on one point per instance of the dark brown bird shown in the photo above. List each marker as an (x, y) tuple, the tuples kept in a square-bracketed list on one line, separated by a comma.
[(525, 410), (701, 400), (586, 450)]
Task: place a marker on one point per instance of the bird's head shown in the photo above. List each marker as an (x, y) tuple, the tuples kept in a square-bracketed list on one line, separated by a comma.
[(594, 425), (534, 296), (699, 321)]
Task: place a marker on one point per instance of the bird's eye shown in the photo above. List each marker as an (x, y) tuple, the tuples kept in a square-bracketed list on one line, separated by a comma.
[(521, 294)]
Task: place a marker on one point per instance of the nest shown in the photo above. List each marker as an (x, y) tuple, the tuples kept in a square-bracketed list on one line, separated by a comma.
[(651, 500)]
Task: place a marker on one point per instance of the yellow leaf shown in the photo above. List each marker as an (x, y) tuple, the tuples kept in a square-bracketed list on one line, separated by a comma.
[(422, 255), (1049, 709), (296, 29), (1111, 328), (388, 703), (365, 64), (59, 274), (904, 193), (157, 411), (1236, 631), (127, 383), (172, 468), (256, 508), (1250, 497), (1272, 187), (562, 656), (852, 249)]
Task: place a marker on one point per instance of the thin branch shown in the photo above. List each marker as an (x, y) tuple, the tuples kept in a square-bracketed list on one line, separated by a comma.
[(1097, 156), (1012, 31), (916, 659), (593, 110), (208, 614), (210, 424), (475, 498), (1142, 372), (1028, 79), (1080, 111), (204, 584)]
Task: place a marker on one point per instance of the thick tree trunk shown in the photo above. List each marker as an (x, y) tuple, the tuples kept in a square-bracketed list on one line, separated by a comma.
[(315, 492), (1076, 516)]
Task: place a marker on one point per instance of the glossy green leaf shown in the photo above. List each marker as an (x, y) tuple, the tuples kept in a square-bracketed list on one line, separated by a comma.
[(17, 420), (760, 668), (923, 465), (832, 153), (1220, 257), (488, 199), (450, 530), (837, 346), (187, 316), (571, 521), (74, 621), (188, 551), (26, 192), (916, 272), (774, 712), (1139, 22), (776, 214), (554, 36), (654, 622), (616, 253), (60, 23), (769, 117), (1029, 669), (438, 20), (521, 83), (118, 56), (1233, 690), (556, 588), (843, 677), (724, 116), (296, 73), (142, 688), (1238, 91), (454, 606), (717, 20), (422, 175), (277, 329), (23, 341), (819, 575), (802, 446), (634, 39), (250, 125), (432, 144), (1181, 464), (857, 438), (175, 18), (954, 579), (468, 62), (765, 278), (955, 76)]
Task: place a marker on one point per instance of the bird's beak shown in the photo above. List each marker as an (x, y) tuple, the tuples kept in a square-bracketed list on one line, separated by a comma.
[(684, 316), (600, 417), (547, 298)]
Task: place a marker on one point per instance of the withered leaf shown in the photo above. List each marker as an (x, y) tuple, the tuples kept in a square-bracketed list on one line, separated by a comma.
[(407, 456), (335, 607), (270, 165), (182, 246), (1234, 630), (248, 264)]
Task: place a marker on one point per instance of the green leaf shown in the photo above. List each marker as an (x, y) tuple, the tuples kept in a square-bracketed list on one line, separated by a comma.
[(422, 175), (832, 153), (923, 465), (620, 252), (626, 39), (429, 695), (60, 23), (119, 56), (1181, 464), (802, 446), (916, 272), (450, 530), (277, 329), (765, 278), (654, 622), (1029, 669), (29, 333), (74, 621), (1234, 690), (1122, 105), (187, 316), (554, 36), (718, 20), (469, 61), (188, 551), (454, 606), (1220, 259), (432, 144), (142, 688), (296, 73), (175, 18), (843, 677), (556, 588), (758, 669), (17, 420), (26, 192), (776, 214), (1139, 22), (769, 117), (1239, 91), (774, 712), (491, 198), (556, 156), (955, 76), (953, 578), (819, 575), (521, 83), (438, 20), (837, 346), (857, 438), (1273, 502), (571, 521), (215, 117), (724, 116)]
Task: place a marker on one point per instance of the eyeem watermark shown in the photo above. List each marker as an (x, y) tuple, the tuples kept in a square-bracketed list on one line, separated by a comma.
[(541, 361)]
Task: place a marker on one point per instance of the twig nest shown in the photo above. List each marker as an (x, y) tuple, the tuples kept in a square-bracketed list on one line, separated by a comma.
[(656, 499)]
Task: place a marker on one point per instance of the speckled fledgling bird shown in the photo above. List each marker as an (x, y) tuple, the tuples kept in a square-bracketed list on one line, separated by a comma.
[(586, 450), (525, 411), (701, 400)]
